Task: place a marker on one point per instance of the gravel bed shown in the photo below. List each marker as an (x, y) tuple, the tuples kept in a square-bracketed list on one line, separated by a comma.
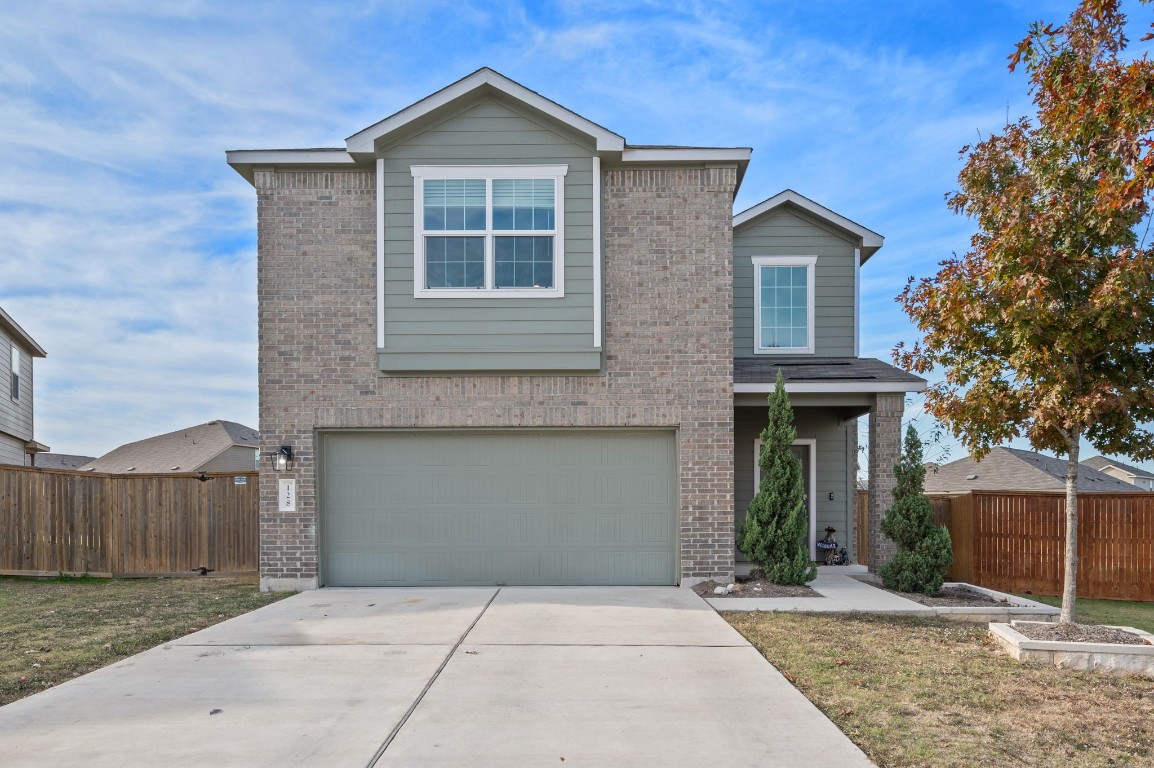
[(755, 588)]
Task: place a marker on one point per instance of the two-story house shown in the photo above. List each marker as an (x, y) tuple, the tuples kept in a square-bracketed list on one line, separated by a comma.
[(17, 349), (501, 345)]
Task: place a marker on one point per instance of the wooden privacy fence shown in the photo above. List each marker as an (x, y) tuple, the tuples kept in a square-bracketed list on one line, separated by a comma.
[(1015, 542), (56, 521)]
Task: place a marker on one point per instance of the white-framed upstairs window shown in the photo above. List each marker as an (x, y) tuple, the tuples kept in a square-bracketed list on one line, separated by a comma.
[(489, 231), (783, 293), (15, 390)]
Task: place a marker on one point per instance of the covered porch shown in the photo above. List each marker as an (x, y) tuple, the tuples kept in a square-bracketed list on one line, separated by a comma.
[(828, 396)]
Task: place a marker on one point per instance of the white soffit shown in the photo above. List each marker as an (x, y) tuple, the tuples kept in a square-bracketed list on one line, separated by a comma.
[(243, 161), (363, 142)]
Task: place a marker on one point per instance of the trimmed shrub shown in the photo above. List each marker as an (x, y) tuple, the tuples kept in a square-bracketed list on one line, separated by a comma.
[(924, 549), (773, 535)]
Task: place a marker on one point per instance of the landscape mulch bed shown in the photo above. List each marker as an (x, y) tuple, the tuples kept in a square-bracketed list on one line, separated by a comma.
[(1079, 633), (755, 588), (951, 597)]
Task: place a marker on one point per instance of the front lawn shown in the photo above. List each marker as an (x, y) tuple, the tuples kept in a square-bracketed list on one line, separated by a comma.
[(926, 692), (1114, 612), (52, 630)]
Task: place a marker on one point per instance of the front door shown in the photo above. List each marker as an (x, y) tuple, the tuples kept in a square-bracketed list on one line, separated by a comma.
[(804, 451)]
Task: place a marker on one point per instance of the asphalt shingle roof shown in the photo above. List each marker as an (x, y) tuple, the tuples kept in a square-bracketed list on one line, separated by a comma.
[(1101, 462), (185, 449), (749, 370), (1012, 469)]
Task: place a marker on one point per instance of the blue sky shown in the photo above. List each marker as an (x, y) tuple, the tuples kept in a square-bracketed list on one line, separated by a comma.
[(129, 245)]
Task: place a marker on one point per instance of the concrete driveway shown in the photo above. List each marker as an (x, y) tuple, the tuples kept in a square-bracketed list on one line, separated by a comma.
[(503, 677)]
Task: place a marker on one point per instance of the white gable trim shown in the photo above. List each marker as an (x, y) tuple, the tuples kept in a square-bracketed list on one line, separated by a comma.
[(870, 240), (363, 141)]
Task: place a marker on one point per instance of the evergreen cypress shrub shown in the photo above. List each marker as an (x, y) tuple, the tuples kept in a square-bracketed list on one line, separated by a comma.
[(924, 549), (773, 535)]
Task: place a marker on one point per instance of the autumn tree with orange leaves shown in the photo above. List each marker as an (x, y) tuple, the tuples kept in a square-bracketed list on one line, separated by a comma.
[(1045, 328)]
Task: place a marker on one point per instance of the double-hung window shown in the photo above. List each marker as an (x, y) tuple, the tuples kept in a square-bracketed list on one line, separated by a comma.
[(488, 231), (783, 298)]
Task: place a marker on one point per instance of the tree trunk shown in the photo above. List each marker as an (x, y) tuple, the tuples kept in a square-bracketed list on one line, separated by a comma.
[(1070, 583)]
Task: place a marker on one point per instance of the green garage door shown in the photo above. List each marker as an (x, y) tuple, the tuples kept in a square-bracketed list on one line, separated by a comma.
[(486, 507)]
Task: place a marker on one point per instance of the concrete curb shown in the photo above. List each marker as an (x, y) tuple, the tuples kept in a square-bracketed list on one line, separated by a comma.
[(1087, 657)]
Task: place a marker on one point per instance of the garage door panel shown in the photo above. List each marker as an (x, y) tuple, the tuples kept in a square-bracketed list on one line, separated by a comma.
[(446, 508)]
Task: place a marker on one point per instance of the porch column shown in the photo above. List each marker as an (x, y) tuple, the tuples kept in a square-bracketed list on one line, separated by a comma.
[(885, 450)]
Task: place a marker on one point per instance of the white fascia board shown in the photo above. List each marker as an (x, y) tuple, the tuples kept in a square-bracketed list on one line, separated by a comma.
[(849, 386), (13, 329), (244, 160), (686, 155), (364, 141), (870, 240)]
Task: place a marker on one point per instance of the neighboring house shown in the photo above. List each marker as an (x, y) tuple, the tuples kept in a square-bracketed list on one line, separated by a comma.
[(218, 446), (61, 461), (1012, 469), (1124, 472), (507, 347), (17, 348)]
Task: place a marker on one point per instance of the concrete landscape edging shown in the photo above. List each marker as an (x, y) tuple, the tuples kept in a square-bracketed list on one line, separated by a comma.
[(1016, 607), (1110, 658)]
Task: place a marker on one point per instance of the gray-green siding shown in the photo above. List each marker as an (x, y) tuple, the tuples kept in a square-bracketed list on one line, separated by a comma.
[(835, 441), (436, 334), (499, 507), (15, 415), (790, 232)]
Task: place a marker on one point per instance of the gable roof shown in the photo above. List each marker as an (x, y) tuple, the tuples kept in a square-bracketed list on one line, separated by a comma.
[(870, 241), (361, 146), (1100, 463), (482, 81), (185, 450), (13, 330), (1013, 469)]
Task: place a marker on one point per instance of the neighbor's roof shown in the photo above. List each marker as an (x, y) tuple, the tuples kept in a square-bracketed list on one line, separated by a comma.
[(185, 450), (13, 329), (61, 461), (824, 374), (1012, 469), (1101, 462)]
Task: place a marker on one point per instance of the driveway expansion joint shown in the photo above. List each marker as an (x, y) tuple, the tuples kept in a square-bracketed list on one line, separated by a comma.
[(420, 697)]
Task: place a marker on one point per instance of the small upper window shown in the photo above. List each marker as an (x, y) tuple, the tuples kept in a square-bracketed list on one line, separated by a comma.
[(15, 373), (488, 231), (783, 296)]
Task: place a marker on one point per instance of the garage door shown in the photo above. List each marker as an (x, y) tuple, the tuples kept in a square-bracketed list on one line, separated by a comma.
[(441, 508)]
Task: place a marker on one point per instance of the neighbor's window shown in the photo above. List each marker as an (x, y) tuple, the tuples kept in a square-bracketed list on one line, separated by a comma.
[(488, 231), (783, 296), (15, 373)]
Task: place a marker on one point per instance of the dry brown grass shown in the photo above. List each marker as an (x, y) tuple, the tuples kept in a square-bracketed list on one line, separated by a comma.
[(52, 630), (920, 692)]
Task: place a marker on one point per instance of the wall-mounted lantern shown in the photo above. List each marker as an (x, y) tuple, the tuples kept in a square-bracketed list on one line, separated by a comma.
[(282, 460)]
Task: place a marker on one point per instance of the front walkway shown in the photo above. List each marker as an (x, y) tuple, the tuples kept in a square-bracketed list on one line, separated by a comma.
[(508, 677)]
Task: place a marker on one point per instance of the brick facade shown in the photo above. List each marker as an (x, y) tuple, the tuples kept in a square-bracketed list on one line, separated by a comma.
[(885, 450), (668, 347)]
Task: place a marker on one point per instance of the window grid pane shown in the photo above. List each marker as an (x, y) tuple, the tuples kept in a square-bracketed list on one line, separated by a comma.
[(523, 204), (784, 311), (523, 262), (454, 262), (454, 204)]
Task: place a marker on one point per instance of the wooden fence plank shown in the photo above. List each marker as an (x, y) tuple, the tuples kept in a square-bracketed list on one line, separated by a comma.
[(1015, 542), (61, 521)]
